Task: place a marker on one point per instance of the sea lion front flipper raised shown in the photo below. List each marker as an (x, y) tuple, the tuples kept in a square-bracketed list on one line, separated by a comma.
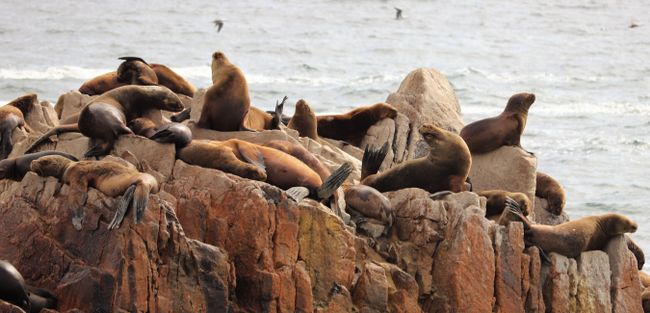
[(69, 128), (122, 207), (335, 180), (372, 160), (140, 202), (181, 116), (297, 193), (277, 114)]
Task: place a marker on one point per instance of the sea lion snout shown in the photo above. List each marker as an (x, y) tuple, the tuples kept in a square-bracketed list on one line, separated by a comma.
[(218, 55), (530, 98)]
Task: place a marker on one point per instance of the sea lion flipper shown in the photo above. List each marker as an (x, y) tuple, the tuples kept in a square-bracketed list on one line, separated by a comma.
[(545, 258), (140, 203), (277, 114), (181, 116), (514, 208), (128, 59), (99, 149), (440, 195), (297, 193), (122, 207), (335, 180), (7, 144), (372, 160), (253, 156), (163, 135), (68, 128)]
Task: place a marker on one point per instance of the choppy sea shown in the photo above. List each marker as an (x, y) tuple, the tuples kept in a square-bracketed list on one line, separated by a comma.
[(590, 71)]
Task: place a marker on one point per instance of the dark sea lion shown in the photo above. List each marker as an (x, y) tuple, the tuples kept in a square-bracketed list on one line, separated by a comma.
[(12, 116), (352, 126), (104, 119), (574, 237), (549, 189), (12, 286), (110, 177), (496, 201), (304, 120), (173, 81), (369, 202), (446, 167), (142, 126), (16, 168), (101, 84), (259, 120), (226, 102), (40, 298), (505, 129), (135, 71)]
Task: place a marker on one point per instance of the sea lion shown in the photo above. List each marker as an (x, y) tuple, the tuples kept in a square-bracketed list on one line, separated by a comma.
[(446, 167), (549, 189), (645, 279), (370, 203), (257, 119), (505, 129), (304, 120), (302, 154), (226, 102), (496, 201), (40, 298), (111, 177), (168, 78), (12, 286), (573, 237), (104, 119), (101, 84), (16, 168), (12, 116), (135, 71), (636, 250), (142, 126), (352, 126)]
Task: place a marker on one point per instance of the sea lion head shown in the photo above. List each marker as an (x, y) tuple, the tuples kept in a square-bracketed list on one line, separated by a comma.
[(176, 133), (436, 137), (136, 71), (616, 224), (303, 108), (165, 98), (384, 110), (219, 58), (51, 165), (520, 102), (24, 103)]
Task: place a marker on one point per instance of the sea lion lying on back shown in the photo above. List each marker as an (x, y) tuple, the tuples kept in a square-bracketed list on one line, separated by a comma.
[(111, 176), (12, 116), (503, 130), (104, 119), (353, 126), (16, 168), (446, 167)]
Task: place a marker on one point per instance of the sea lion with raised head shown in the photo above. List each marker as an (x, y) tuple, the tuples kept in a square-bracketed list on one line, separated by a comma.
[(505, 129), (573, 237), (304, 120), (16, 168), (353, 126), (105, 118), (551, 190), (111, 177), (446, 167), (12, 116), (226, 102)]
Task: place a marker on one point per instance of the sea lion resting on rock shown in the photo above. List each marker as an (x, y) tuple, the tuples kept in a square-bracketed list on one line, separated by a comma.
[(12, 116), (573, 237), (496, 201), (257, 119), (14, 290), (111, 176), (226, 102), (446, 167), (252, 161), (549, 189), (104, 119), (16, 168), (353, 126), (505, 129), (173, 81)]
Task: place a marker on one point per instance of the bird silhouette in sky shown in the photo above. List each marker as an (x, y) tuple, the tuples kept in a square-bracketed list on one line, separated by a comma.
[(218, 24), (398, 13)]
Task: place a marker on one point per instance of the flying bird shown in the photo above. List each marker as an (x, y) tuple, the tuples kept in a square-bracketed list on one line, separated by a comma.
[(218, 24), (398, 13), (633, 24)]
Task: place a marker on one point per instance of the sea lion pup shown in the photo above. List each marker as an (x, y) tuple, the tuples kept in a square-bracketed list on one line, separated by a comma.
[(173, 81), (304, 120), (12, 286), (496, 201), (135, 71), (110, 177), (352, 126), (551, 190), (253, 161), (505, 129), (104, 119), (445, 167), (226, 102), (257, 119), (573, 237), (16, 168), (12, 116)]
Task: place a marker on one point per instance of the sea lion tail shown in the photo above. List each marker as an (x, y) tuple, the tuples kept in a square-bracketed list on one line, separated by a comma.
[(122, 207), (335, 180), (181, 116), (68, 128), (372, 160), (277, 114), (514, 208)]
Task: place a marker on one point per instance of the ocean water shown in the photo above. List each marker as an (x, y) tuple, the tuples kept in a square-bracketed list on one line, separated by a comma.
[(589, 70)]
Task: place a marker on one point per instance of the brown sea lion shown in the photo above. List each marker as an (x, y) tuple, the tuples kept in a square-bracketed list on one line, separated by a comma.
[(16, 168), (549, 189), (369, 202), (101, 84), (445, 167), (302, 154), (636, 250), (142, 126), (12, 116), (505, 129), (352, 126), (226, 102), (104, 119), (496, 201), (304, 120), (259, 120), (573, 237), (645, 279), (109, 176), (135, 71), (168, 78)]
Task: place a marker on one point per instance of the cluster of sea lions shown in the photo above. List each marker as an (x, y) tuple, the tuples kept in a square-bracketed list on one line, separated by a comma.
[(129, 103)]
